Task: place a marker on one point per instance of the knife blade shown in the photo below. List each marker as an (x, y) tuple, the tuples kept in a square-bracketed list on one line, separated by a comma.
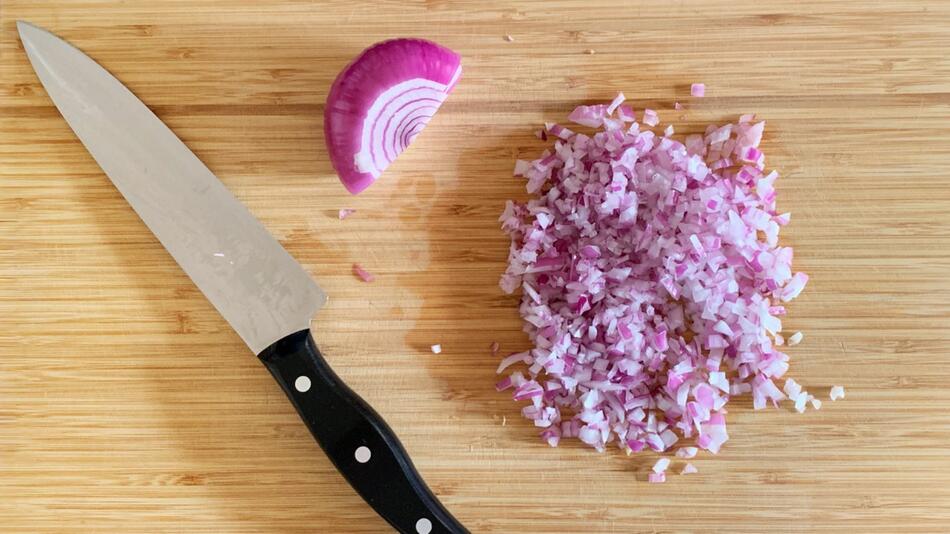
[(257, 286)]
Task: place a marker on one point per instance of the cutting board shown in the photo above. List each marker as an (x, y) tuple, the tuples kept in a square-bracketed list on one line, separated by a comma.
[(128, 405)]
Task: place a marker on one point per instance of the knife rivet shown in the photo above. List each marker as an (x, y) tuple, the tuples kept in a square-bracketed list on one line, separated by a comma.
[(302, 384), (363, 454), (423, 526)]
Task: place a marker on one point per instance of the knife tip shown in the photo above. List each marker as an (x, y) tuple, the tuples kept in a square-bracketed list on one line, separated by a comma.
[(23, 26)]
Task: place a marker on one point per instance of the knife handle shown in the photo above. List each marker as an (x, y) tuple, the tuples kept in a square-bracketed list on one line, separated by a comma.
[(359, 443)]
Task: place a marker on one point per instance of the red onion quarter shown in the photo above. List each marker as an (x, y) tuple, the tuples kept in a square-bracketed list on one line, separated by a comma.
[(381, 101)]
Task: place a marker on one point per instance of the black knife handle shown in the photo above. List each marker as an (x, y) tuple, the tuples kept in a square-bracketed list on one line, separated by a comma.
[(359, 443)]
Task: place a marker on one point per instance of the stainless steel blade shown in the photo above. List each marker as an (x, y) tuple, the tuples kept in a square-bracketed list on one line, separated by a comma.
[(253, 282)]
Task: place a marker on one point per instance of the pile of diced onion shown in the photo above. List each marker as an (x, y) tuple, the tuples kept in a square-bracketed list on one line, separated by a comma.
[(653, 283)]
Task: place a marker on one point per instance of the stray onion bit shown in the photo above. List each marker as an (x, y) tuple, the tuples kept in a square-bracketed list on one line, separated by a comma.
[(795, 339), (346, 212), (799, 396), (494, 347), (650, 118), (689, 469), (698, 90), (381, 101), (657, 478), (661, 465), (362, 273), (837, 392), (686, 452), (652, 283), (436, 349)]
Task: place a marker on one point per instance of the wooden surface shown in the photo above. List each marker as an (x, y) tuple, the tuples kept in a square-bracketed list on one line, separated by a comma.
[(128, 405)]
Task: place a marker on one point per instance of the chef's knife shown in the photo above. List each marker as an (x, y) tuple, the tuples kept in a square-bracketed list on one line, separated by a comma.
[(266, 296)]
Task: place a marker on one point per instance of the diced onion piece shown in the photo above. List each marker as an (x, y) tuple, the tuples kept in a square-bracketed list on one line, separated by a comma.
[(436, 349), (792, 388), (615, 103), (686, 452), (801, 402), (362, 273), (795, 339), (512, 359), (650, 118), (590, 116), (794, 287), (689, 469), (381, 101), (625, 113), (661, 465), (837, 392), (698, 90), (657, 478), (346, 212)]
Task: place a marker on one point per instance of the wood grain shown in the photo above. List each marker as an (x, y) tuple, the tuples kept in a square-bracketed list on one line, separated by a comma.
[(128, 405)]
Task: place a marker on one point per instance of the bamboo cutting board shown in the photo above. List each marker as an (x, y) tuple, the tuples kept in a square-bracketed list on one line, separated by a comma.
[(128, 405)]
